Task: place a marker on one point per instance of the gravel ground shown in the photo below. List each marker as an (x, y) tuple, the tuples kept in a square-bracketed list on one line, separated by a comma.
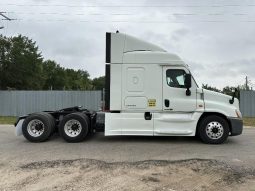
[(87, 174), (126, 163)]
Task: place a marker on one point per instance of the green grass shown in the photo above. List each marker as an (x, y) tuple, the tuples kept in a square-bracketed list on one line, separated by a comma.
[(249, 121), (7, 120)]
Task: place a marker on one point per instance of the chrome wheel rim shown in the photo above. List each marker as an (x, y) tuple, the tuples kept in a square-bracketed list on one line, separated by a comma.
[(35, 128), (73, 128), (214, 130)]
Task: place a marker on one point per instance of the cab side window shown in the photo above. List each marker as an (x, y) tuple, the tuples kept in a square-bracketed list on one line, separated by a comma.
[(175, 78)]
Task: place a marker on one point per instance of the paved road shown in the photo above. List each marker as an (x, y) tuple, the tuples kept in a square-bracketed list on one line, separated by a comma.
[(238, 150)]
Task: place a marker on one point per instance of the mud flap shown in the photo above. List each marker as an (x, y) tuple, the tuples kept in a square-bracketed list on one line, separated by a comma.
[(18, 128)]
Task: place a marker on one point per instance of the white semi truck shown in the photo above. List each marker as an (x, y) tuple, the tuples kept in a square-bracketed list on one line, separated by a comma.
[(149, 92)]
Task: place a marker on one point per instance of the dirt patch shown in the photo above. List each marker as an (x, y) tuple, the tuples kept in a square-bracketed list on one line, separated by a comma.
[(87, 174)]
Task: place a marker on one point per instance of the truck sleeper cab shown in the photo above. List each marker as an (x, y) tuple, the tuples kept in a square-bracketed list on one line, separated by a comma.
[(149, 92)]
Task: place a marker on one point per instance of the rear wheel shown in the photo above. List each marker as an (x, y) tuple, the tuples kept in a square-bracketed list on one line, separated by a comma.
[(52, 121), (37, 127), (213, 130), (74, 127)]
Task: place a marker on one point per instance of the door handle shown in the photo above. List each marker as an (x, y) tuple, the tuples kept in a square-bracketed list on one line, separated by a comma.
[(167, 103), (147, 115)]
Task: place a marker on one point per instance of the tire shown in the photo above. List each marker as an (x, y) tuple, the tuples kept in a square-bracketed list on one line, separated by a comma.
[(213, 130), (37, 127), (52, 121), (74, 127)]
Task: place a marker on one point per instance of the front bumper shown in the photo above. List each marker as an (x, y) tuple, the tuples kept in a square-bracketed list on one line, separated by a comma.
[(236, 126)]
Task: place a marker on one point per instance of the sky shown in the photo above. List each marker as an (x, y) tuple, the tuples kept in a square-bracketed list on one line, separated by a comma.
[(214, 37)]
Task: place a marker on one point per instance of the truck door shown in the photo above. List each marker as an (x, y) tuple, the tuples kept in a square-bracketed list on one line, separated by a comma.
[(174, 92), (177, 117)]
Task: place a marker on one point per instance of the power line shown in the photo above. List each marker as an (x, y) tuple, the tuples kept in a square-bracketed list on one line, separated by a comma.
[(251, 84), (136, 21), (68, 14), (208, 20), (128, 6), (3, 15), (123, 14)]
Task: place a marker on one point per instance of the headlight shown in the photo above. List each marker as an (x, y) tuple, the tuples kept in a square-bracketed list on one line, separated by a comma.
[(238, 114)]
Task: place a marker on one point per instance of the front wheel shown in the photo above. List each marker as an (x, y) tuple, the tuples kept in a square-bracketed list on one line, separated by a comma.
[(213, 130)]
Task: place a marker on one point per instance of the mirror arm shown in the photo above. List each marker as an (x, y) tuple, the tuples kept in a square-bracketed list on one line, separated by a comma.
[(188, 92)]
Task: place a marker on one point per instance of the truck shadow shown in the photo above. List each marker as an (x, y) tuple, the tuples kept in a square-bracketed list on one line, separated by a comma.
[(153, 139), (100, 138)]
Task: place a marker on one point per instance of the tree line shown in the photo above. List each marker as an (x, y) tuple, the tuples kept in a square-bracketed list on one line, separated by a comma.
[(22, 67), (228, 90)]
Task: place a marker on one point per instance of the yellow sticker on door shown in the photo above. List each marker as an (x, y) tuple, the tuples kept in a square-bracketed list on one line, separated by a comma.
[(151, 102)]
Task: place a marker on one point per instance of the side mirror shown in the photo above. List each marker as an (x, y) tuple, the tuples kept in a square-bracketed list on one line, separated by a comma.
[(187, 81), (187, 84)]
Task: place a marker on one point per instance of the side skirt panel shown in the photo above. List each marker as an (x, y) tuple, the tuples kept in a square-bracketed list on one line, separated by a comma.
[(161, 124), (176, 124)]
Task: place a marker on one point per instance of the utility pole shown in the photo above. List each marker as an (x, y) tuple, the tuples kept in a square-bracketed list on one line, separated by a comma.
[(246, 83), (2, 14)]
